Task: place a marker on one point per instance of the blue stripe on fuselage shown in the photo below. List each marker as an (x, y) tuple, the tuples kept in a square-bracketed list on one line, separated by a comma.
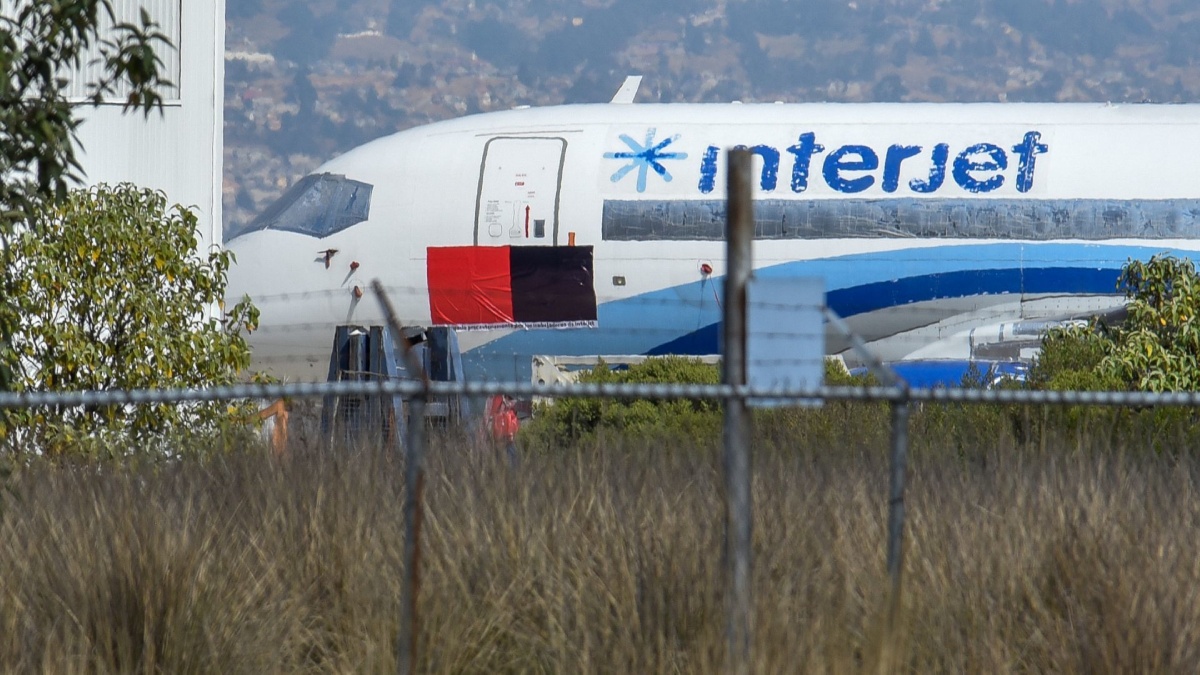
[(683, 319), (883, 294)]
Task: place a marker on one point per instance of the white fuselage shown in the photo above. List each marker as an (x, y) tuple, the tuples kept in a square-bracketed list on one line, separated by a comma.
[(927, 220)]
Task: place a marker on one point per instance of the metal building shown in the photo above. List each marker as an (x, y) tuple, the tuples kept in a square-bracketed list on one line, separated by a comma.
[(180, 150)]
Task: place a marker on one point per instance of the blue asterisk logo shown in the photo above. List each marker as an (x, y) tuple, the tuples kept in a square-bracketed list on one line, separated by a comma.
[(645, 156)]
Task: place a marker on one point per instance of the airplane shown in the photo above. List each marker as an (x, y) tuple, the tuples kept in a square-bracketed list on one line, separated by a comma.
[(943, 231)]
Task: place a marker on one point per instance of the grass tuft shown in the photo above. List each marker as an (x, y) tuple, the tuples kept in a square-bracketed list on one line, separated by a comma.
[(605, 558)]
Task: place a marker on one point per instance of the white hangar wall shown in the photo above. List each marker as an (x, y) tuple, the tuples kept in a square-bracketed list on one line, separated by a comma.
[(180, 150)]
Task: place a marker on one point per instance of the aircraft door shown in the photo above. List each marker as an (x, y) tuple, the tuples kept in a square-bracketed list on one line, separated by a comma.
[(520, 179)]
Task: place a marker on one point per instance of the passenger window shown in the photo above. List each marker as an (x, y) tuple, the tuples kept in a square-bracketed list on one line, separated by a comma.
[(317, 205)]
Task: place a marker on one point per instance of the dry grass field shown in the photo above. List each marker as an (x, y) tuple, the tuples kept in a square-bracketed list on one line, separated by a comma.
[(604, 559)]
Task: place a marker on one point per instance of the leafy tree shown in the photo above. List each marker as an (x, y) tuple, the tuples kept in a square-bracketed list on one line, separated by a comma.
[(1158, 345), (39, 42), (890, 88), (403, 16), (303, 94), (501, 44), (112, 295), (1156, 348), (923, 44), (311, 36)]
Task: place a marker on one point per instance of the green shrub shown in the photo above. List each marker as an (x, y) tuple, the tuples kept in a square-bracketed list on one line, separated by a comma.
[(568, 420), (697, 423)]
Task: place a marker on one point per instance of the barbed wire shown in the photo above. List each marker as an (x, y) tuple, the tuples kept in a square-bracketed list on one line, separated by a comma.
[(301, 355), (604, 329), (985, 314), (411, 388), (700, 301)]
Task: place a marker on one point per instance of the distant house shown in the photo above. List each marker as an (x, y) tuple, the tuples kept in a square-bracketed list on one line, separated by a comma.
[(180, 150)]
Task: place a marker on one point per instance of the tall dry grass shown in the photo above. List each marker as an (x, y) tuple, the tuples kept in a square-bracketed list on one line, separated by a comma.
[(603, 559)]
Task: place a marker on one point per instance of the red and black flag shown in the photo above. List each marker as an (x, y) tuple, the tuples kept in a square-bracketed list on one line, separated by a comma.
[(524, 286)]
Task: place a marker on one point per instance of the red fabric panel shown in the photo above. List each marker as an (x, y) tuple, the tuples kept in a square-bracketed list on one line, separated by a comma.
[(469, 285)]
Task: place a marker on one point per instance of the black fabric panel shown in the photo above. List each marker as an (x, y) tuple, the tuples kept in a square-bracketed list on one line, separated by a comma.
[(552, 284)]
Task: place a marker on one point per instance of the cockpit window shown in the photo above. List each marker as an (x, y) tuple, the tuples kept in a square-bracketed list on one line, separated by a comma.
[(317, 205)]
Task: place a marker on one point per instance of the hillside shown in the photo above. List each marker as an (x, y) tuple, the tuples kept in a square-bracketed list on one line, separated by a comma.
[(305, 82)]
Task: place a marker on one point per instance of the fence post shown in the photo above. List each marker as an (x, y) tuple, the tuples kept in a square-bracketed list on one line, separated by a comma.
[(895, 550), (414, 488), (738, 525)]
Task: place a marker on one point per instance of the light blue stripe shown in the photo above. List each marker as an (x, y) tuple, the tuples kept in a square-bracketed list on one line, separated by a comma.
[(639, 324)]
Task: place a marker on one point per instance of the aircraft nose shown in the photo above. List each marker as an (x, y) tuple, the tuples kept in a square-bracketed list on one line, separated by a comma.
[(278, 272)]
